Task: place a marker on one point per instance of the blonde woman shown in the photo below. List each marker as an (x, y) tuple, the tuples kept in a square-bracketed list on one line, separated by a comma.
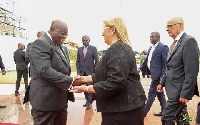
[(120, 96)]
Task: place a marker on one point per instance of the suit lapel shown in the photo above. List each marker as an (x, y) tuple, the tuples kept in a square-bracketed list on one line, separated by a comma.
[(155, 50), (57, 49), (62, 54), (176, 47)]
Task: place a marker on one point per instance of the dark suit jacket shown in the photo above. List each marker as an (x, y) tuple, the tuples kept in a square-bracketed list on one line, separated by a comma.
[(116, 80), (50, 76), (158, 61), (19, 58), (182, 69), (1, 63), (88, 63), (27, 53)]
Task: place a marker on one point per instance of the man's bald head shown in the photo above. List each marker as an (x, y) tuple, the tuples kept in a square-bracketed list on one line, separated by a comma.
[(58, 31), (21, 46), (40, 33)]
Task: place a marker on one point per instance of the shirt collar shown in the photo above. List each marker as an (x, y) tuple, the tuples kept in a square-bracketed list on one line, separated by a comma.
[(154, 45), (179, 36)]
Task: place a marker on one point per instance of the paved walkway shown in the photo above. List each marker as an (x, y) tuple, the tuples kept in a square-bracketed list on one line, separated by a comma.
[(17, 113)]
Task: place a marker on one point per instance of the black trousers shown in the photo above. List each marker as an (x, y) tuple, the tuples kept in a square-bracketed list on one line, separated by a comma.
[(21, 73), (88, 96), (133, 117), (174, 111), (58, 117)]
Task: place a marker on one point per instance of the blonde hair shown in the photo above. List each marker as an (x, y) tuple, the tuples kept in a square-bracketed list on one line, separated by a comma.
[(120, 27)]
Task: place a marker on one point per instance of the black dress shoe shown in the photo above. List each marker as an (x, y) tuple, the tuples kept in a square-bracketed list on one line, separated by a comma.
[(158, 114), (145, 115), (16, 94), (2, 106), (89, 106), (85, 105)]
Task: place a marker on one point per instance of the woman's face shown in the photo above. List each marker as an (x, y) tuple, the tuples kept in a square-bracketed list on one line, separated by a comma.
[(107, 34)]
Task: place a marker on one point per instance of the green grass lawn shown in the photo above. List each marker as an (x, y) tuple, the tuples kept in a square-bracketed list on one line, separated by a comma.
[(8, 78), (11, 76)]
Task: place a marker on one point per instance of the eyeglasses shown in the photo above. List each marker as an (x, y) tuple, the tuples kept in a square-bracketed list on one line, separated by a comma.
[(104, 28), (64, 34), (85, 40), (170, 26)]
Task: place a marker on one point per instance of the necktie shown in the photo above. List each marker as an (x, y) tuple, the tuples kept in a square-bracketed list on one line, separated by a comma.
[(84, 51), (173, 45)]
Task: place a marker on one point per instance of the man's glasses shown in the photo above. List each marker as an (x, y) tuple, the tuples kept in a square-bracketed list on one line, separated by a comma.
[(170, 26), (64, 34)]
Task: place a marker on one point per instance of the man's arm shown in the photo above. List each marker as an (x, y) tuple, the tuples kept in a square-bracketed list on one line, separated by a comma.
[(191, 67), (78, 65), (96, 58), (27, 53), (3, 71), (165, 52)]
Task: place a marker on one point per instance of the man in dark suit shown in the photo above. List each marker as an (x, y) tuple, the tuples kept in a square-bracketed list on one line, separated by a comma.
[(21, 67), (28, 49), (156, 62), (181, 73), (50, 77), (87, 59), (3, 72)]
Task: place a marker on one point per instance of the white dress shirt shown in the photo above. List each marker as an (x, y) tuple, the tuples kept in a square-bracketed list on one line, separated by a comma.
[(150, 54)]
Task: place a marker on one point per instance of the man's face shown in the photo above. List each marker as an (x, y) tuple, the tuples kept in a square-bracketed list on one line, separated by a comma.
[(85, 40), (154, 39), (173, 28), (59, 35)]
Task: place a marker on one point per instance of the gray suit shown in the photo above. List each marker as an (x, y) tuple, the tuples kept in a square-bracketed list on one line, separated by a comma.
[(50, 81), (180, 77), (21, 67)]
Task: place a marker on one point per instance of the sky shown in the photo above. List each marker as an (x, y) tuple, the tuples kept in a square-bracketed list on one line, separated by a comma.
[(85, 17)]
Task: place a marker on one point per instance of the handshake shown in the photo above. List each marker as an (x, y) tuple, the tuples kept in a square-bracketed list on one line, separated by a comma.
[(81, 80), (80, 84)]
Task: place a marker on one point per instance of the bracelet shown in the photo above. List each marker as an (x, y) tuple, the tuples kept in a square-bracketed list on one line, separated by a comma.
[(87, 87)]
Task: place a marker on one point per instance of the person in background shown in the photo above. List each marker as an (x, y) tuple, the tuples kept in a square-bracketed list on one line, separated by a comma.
[(145, 71), (28, 48), (3, 72), (87, 60), (181, 73), (198, 115), (50, 77), (120, 96), (21, 67), (156, 62)]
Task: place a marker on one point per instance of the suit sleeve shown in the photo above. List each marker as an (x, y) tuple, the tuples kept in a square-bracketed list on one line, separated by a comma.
[(96, 56), (1, 63), (78, 65), (191, 68), (41, 61), (165, 52), (116, 75)]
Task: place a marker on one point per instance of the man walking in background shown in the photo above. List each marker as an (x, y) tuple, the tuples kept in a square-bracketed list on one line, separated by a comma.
[(21, 67), (3, 72), (181, 73), (28, 49), (87, 59), (156, 63)]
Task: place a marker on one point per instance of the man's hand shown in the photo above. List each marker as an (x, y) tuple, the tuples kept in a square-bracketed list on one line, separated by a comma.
[(159, 88), (79, 80), (3, 71), (183, 100), (139, 70)]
